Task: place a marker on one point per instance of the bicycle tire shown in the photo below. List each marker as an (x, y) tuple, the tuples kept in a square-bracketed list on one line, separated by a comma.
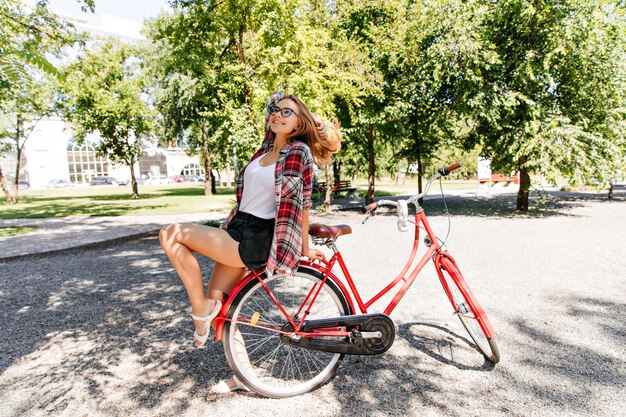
[(466, 311), (278, 370)]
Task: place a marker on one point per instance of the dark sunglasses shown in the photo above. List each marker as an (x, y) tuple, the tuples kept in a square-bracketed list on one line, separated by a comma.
[(285, 112)]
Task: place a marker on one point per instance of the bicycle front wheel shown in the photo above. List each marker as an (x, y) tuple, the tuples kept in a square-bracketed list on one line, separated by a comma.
[(468, 312), (252, 341)]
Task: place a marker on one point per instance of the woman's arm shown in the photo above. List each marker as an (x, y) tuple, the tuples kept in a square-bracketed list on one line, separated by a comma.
[(306, 251)]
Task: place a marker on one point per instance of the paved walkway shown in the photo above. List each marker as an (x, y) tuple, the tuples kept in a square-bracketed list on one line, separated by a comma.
[(57, 234), (62, 233)]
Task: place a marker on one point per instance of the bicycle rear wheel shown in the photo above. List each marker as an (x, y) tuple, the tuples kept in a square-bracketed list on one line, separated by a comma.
[(468, 312), (252, 343)]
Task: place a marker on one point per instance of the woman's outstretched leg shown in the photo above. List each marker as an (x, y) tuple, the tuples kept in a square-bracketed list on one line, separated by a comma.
[(179, 241)]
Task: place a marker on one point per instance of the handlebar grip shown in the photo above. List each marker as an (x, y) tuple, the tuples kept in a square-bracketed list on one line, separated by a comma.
[(369, 207), (446, 170)]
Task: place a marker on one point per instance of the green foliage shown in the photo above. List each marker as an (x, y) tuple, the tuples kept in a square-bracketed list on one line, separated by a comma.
[(437, 54), (534, 85), (451, 154), (104, 92), (21, 108), (553, 100), (28, 33)]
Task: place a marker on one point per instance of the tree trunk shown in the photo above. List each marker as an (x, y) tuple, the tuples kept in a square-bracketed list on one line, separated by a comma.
[(133, 180), (610, 190), (206, 160), (213, 187), (420, 170), (524, 187), (337, 170), (406, 174), (398, 172), (355, 176), (371, 170), (229, 175), (328, 192), (235, 166), (18, 162), (7, 194)]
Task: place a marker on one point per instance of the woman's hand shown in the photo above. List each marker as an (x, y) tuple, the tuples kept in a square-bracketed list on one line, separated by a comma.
[(321, 128), (314, 254)]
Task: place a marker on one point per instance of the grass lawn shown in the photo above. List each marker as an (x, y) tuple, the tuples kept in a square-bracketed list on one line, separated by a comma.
[(116, 201), (156, 199), (16, 230)]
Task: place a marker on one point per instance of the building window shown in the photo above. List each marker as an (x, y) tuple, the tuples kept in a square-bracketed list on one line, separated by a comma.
[(84, 164), (193, 169)]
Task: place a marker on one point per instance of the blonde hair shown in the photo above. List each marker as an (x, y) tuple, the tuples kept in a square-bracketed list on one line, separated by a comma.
[(322, 149)]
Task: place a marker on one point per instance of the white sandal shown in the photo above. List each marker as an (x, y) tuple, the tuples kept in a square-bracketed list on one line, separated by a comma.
[(223, 388), (202, 338)]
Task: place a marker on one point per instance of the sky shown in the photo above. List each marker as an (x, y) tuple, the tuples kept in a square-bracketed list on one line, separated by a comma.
[(136, 10)]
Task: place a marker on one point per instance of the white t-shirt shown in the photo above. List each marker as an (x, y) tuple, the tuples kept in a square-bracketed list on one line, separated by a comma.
[(258, 190)]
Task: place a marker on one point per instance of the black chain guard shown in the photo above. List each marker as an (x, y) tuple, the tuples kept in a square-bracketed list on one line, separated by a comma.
[(353, 345)]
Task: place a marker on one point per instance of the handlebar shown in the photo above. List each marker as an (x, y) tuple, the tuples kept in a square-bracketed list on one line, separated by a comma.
[(442, 172), (446, 170), (369, 207)]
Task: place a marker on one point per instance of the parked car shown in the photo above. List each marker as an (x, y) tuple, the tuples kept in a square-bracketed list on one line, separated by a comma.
[(103, 181), (59, 183), (127, 181), (194, 178), (23, 185), (161, 179), (179, 178)]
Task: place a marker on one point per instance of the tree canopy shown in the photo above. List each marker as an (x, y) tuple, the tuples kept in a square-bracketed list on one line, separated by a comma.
[(537, 86), (104, 92), (552, 100)]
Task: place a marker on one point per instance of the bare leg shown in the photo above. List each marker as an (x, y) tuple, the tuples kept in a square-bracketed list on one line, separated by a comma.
[(229, 277), (223, 280), (179, 241)]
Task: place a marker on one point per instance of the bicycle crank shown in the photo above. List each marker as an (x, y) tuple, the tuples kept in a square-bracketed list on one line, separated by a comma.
[(370, 334)]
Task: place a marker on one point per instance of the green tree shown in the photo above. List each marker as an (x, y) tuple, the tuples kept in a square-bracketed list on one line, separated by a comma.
[(5, 148), (104, 92), (552, 100), (27, 34), (367, 118), (22, 107), (215, 63), (437, 53)]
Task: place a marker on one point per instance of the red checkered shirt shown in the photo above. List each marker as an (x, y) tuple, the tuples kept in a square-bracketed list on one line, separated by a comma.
[(293, 185)]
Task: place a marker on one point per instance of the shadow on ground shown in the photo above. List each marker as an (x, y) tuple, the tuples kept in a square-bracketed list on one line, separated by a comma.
[(571, 372), (62, 209), (542, 204), (104, 321), (575, 370), (111, 325)]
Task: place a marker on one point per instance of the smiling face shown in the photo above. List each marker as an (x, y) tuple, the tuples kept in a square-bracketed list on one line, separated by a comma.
[(281, 124)]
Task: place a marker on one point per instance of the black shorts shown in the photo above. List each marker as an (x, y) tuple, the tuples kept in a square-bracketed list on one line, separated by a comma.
[(255, 237)]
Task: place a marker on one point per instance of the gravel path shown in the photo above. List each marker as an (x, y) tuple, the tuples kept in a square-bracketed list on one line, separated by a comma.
[(106, 332)]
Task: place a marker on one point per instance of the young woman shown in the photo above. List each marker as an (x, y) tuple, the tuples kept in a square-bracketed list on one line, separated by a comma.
[(270, 222)]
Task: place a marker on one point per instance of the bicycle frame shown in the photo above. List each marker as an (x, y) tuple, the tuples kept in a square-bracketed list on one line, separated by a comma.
[(441, 260)]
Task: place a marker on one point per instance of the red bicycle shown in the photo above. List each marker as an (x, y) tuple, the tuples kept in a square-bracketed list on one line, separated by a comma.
[(286, 334)]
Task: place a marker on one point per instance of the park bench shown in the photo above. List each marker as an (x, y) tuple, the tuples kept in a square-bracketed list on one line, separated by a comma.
[(338, 187), (495, 178)]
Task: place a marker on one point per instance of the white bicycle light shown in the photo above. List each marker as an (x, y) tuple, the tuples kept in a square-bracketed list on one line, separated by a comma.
[(403, 214)]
